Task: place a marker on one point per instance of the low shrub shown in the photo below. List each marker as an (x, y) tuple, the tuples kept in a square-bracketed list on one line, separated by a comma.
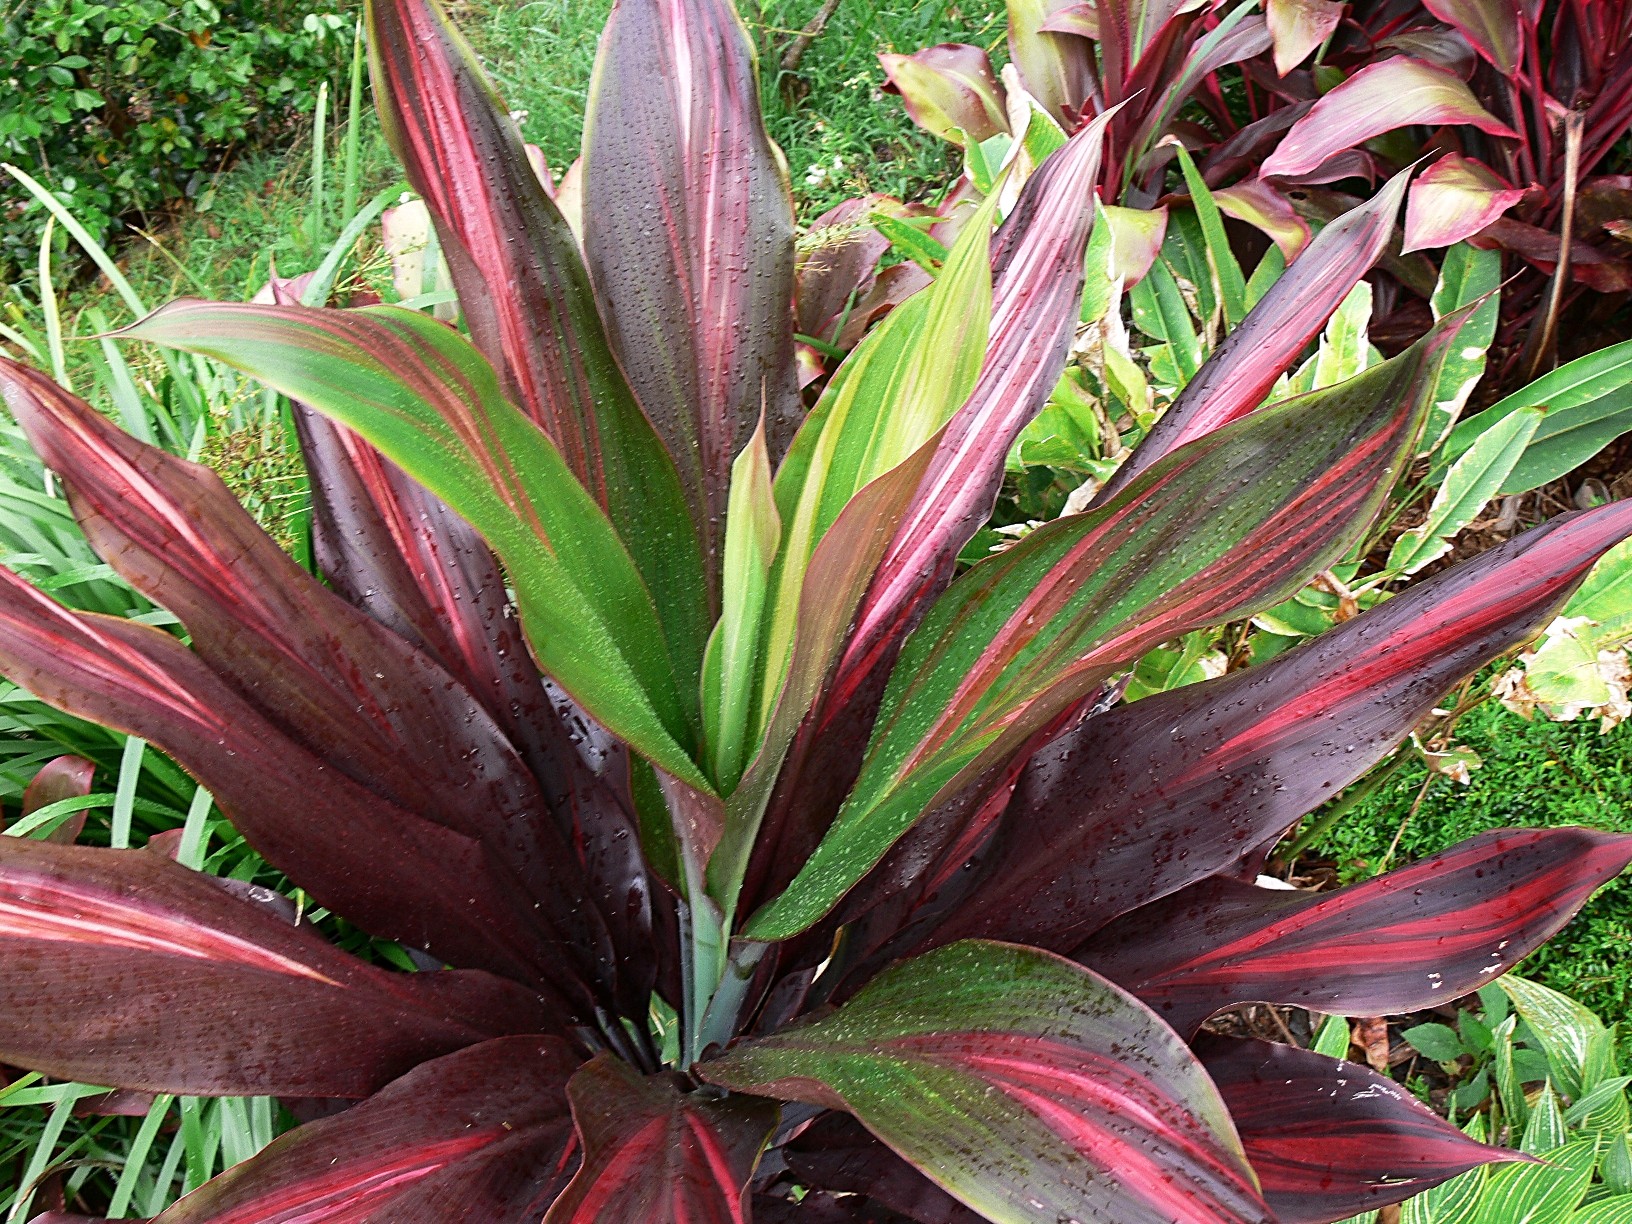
[(126, 106)]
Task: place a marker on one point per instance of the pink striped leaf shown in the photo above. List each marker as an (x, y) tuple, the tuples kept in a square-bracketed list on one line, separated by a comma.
[(1056, 70), (1232, 522), (526, 296), (101, 945), (1380, 97), (1039, 263), (655, 1154), (1407, 940), (1001, 1073), (688, 233), (431, 403), (1494, 27), (437, 888), (482, 1134), (1453, 199), (1298, 27), (1038, 274), (1241, 370), (1219, 768), (949, 90), (1330, 1139), (65, 777)]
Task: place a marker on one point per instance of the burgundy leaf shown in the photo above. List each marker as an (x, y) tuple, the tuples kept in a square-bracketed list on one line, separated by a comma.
[(482, 1135), (1415, 937), (123, 968), (837, 1153), (1589, 265), (403, 557), (1182, 784), (688, 233), (655, 1154), (433, 888), (833, 275), (1330, 1139), (1243, 368), (1380, 97), (526, 296), (66, 777), (1038, 268), (1494, 27)]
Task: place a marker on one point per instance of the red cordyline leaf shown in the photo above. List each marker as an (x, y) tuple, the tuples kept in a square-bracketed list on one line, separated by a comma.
[(66, 777), (836, 272), (1038, 263), (122, 967), (1415, 937), (1054, 70), (1298, 27), (1453, 199), (432, 887), (1002, 1073), (653, 1153), (1380, 97), (688, 233), (1329, 1139), (329, 677), (480, 1135), (1223, 767), (1243, 368), (1494, 27), (394, 551), (526, 296)]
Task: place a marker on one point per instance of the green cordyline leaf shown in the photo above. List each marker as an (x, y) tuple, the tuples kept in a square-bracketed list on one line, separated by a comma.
[(1234, 521), (1466, 275), (1002, 1073), (431, 403), (903, 382), (752, 533)]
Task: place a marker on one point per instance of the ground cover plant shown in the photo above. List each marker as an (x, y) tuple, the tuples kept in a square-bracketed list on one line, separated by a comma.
[(817, 883)]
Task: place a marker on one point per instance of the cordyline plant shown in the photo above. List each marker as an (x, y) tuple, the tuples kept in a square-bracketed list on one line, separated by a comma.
[(781, 871)]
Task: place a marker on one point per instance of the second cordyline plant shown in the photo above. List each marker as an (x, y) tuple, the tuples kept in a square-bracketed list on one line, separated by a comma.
[(761, 864)]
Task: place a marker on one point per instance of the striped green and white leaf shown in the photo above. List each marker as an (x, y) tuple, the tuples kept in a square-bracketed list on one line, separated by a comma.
[(1466, 275), (1588, 403), (1470, 484)]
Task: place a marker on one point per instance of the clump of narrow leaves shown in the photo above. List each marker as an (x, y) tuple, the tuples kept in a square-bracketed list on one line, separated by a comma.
[(760, 863)]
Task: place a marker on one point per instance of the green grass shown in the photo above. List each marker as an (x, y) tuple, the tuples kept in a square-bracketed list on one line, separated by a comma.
[(1534, 774)]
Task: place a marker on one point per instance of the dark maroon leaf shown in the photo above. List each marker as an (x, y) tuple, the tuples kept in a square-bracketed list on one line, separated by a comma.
[(481, 1136), (400, 555), (1153, 796), (1415, 937), (125, 969), (836, 1153), (395, 873), (1330, 1139), (526, 296), (654, 1153), (327, 676), (688, 234)]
